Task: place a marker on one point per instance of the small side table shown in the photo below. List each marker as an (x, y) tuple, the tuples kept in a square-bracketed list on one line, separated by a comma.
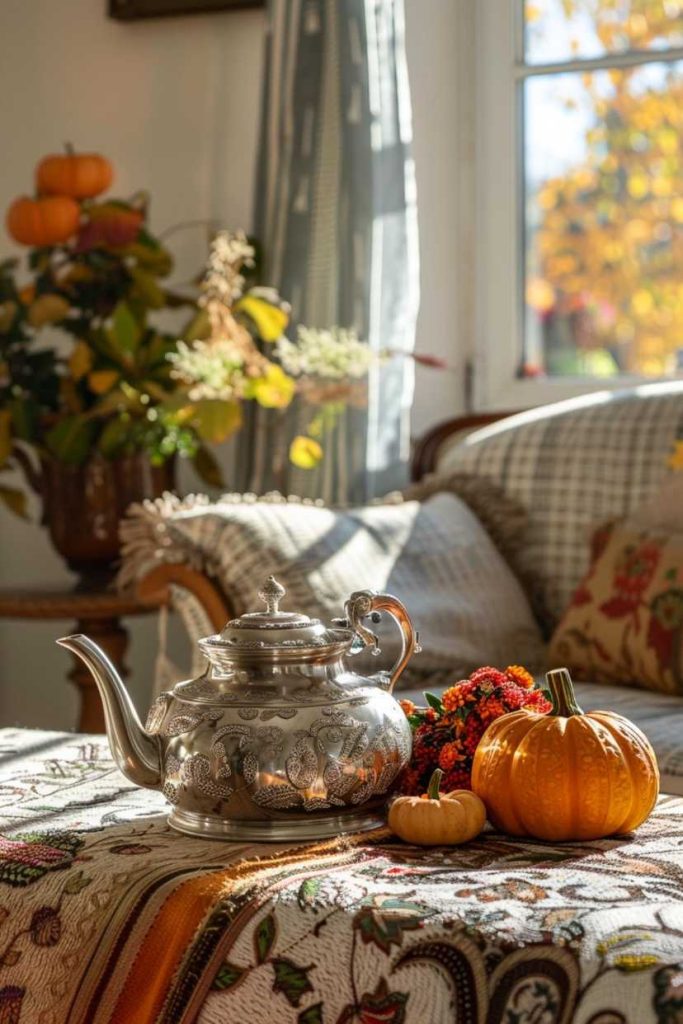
[(97, 613)]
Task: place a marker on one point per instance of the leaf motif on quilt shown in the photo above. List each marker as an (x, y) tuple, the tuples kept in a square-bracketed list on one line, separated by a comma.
[(46, 927), (27, 858), (311, 1015), (227, 976), (382, 920), (308, 893), (264, 937), (378, 1007), (291, 980), (11, 998)]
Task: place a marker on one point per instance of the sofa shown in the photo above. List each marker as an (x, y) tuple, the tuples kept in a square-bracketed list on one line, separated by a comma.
[(540, 481)]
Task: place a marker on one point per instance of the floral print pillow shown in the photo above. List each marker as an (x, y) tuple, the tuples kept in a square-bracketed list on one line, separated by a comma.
[(625, 621)]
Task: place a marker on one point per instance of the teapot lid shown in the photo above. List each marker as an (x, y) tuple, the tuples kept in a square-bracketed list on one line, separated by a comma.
[(271, 632)]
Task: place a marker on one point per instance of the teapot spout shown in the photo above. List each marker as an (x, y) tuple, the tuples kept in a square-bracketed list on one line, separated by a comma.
[(136, 752)]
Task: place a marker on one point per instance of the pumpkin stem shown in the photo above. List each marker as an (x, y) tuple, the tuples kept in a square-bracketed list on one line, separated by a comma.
[(69, 149), (434, 783), (562, 693)]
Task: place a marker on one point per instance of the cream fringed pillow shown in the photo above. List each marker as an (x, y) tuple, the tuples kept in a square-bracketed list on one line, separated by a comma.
[(625, 621), (433, 555)]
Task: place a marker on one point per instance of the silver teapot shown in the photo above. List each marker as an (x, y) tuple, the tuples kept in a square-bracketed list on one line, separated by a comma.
[(279, 739)]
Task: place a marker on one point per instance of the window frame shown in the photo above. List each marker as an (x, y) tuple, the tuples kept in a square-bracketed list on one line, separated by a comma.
[(498, 270)]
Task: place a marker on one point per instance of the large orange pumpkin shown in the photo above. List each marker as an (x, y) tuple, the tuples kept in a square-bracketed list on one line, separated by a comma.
[(79, 175), (46, 221), (565, 775)]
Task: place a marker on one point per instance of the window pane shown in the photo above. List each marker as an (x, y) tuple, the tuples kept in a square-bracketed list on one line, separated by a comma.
[(604, 222), (557, 30)]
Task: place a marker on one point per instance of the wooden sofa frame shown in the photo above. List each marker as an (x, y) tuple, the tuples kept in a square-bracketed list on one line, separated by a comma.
[(157, 586)]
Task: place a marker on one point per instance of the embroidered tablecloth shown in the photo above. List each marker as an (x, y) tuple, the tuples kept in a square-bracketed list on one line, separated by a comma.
[(109, 917)]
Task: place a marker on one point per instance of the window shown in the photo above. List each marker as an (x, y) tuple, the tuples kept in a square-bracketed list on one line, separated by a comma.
[(580, 154)]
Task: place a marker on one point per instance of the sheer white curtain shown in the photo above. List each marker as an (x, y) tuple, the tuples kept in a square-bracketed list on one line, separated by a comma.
[(336, 215)]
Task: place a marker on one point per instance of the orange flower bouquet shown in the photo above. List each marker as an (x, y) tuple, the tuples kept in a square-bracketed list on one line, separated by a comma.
[(447, 732)]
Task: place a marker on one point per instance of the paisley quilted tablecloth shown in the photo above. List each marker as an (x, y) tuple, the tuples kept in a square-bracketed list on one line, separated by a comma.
[(108, 917)]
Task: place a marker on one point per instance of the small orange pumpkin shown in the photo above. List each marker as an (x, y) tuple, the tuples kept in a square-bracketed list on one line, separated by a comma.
[(566, 775), (46, 221), (79, 175), (437, 819)]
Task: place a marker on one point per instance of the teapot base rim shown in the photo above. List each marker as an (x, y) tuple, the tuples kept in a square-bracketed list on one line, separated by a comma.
[(308, 829)]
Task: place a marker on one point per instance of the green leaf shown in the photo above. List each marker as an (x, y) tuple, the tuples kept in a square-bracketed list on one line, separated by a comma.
[(147, 289), (71, 439), (15, 501), (215, 421), (311, 1015), (264, 938), (25, 417), (114, 436), (207, 467), (76, 883), (434, 702), (228, 975), (199, 327), (291, 980), (308, 891), (125, 331)]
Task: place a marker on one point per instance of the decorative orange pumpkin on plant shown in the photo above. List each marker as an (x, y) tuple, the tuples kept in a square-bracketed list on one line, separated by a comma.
[(79, 175), (565, 775), (49, 220), (436, 819)]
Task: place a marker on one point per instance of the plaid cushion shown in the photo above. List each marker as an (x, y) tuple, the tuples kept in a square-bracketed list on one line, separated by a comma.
[(572, 466), (435, 556)]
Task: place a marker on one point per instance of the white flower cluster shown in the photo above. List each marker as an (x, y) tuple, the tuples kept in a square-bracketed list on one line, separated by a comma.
[(212, 369), (335, 354), (223, 281)]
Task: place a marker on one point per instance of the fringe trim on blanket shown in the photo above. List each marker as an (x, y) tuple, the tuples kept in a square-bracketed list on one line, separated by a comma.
[(148, 538)]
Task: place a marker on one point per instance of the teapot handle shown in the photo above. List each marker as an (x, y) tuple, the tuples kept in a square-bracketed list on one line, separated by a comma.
[(366, 602)]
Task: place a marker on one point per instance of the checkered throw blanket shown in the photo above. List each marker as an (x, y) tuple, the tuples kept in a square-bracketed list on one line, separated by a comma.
[(108, 917), (570, 467)]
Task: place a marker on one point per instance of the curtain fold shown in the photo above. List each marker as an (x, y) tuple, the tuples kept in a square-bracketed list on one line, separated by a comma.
[(336, 215)]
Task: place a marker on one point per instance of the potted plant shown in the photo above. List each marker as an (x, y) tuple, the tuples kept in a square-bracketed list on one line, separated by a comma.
[(93, 407)]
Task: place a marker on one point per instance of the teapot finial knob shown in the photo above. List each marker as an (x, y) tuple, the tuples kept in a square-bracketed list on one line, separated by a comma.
[(272, 593)]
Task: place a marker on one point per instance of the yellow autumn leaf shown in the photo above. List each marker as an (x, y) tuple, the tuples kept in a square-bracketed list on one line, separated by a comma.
[(80, 360), (275, 389), (677, 209), (540, 295), (47, 309), (642, 302), (304, 452), (215, 420), (5, 435), (102, 381), (270, 320), (676, 458), (638, 185)]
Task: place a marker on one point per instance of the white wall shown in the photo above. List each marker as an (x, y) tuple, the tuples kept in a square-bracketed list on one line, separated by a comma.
[(175, 104)]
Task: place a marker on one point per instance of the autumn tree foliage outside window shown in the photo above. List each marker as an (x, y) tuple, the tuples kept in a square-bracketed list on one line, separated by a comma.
[(603, 102)]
